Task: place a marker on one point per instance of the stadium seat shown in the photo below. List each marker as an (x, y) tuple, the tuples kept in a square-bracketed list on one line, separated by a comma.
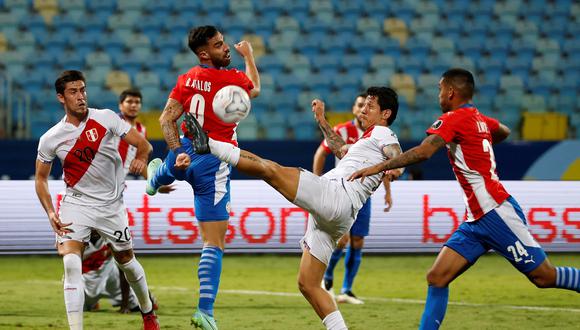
[(396, 29), (47, 9), (117, 81), (533, 103), (404, 85)]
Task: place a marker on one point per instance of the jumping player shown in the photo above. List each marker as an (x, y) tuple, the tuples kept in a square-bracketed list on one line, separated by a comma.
[(209, 177), (350, 132), (84, 142), (494, 220), (331, 200)]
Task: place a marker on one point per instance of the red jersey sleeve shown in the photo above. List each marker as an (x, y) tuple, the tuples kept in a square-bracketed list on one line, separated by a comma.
[(246, 83), (176, 92), (492, 123), (445, 127)]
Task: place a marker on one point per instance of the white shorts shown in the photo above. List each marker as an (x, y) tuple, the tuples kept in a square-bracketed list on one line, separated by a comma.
[(331, 213), (110, 221)]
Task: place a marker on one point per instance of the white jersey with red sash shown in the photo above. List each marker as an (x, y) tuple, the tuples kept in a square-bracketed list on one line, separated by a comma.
[(92, 166), (127, 151)]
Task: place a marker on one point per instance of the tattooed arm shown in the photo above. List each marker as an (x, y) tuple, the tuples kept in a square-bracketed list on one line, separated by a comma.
[(168, 120), (422, 152), (334, 141)]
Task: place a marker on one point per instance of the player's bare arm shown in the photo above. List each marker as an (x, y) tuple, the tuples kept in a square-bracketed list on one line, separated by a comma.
[(422, 152), (244, 48), (41, 185), (144, 148), (500, 134), (334, 141), (319, 160), (168, 120), (388, 196)]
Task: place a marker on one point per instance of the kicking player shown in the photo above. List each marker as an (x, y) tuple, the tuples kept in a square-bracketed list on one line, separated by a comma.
[(494, 220), (84, 142), (209, 177), (350, 132), (331, 200)]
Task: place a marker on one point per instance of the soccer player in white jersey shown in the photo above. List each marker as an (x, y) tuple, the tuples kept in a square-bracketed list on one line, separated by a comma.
[(494, 220), (331, 200), (84, 142), (350, 132), (101, 275)]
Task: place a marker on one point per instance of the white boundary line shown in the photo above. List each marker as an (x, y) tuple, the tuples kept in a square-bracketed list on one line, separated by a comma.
[(380, 299), (397, 300)]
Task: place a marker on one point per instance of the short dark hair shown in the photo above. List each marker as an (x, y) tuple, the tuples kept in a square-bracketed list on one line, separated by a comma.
[(199, 36), (462, 80), (130, 92), (363, 95), (387, 99), (65, 77)]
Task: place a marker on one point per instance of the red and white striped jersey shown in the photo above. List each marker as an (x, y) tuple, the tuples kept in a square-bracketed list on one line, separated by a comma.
[(367, 151), (91, 163), (127, 151), (348, 132), (195, 91), (467, 134)]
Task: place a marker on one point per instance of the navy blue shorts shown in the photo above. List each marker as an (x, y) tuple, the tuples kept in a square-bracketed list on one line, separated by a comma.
[(504, 229), (361, 224)]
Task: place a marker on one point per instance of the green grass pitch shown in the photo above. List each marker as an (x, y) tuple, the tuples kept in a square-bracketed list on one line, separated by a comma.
[(260, 292)]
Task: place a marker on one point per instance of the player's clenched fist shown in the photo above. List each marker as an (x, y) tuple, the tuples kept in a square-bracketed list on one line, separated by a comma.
[(137, 166), (182, 161), (318, 109), (244, 48)]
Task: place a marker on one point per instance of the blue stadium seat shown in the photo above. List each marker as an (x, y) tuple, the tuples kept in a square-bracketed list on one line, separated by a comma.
[(419, 48)]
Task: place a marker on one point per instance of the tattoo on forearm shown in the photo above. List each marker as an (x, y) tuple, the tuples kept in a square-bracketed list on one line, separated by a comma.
[(408, 158), (334, 141), (249, 156), (171, 113)]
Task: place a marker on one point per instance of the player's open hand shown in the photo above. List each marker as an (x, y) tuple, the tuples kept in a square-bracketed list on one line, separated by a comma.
[(182, 161), (244, 48), (318, 110), (388, 201), (59, 227), (137, 166), (166, 189), (368, 171)]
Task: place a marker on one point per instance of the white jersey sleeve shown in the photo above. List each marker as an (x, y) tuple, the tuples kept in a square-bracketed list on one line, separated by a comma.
[(46, 148), (114, 123)]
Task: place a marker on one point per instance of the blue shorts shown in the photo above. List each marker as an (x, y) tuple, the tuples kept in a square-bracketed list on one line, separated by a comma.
[(503, 229), (361, 224), (210, 179)]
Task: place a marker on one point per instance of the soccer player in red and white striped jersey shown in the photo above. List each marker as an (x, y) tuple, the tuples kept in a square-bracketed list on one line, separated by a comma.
[(130, 102), (494, 220), (84, 141)]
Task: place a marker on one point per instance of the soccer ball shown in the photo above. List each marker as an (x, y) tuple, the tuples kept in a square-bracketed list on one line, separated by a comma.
[(231, 104)]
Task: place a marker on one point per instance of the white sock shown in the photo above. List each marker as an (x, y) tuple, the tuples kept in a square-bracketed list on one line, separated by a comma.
[(226, 152), (74, 292), (334, 321), (135, 275)]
